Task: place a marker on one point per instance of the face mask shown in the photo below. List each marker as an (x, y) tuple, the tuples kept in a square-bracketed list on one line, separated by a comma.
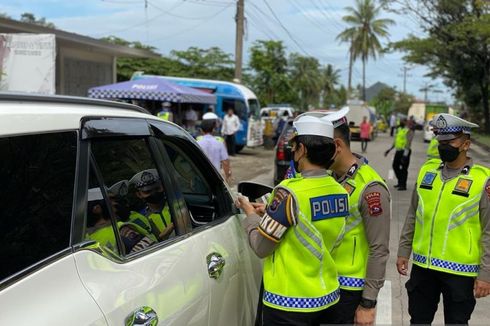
[(448, 153), (155, 198), (122, 211)]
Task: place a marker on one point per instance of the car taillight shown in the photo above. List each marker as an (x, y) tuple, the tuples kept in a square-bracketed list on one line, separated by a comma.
[(280, 155)]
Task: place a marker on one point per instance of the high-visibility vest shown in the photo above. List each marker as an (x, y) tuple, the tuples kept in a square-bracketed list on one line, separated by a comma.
[(164, 115), (351, 255), (159, 220), (432, 150), (301, 275), (401, 138), (447, 224), (104, 236)]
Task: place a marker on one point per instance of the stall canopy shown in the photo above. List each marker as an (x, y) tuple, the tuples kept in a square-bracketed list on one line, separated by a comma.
[(156, 89)]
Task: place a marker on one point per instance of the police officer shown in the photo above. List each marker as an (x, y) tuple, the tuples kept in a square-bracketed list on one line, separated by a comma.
[(149, 188), (401, 161), (432, 151), (166, 112), (363, 253), (448, 229), (300, 226)]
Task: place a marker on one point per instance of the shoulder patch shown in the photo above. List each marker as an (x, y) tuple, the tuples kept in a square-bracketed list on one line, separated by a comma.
[(329, 206), (428, 180), (373, 200), (279, 215), (462, 187)]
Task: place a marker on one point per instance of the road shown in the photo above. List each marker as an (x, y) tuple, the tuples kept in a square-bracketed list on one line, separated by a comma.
[(257, 165)]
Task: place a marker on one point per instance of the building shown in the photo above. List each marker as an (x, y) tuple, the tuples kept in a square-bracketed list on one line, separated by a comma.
[(81, 62)]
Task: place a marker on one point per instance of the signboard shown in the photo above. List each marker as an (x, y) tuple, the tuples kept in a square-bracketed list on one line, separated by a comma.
[(27, 63)]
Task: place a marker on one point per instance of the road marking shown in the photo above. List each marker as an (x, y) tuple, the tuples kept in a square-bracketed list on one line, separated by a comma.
[(383, 311), (391, 174)]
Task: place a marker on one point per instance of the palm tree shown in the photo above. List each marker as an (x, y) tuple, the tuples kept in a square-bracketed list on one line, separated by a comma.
[(330, 78), (306, 79), (348, 36), (364, 33)]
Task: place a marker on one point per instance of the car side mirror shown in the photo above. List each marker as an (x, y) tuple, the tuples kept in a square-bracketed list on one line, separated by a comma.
[(253, 190)]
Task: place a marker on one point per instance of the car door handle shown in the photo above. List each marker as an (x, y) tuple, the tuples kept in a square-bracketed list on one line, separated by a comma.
[(144, 316), (216, 263)]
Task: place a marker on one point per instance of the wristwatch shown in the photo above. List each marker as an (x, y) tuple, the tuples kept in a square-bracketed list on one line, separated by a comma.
[(367, 303)]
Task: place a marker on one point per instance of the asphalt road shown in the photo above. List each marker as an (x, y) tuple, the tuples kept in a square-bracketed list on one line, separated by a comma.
[(257, 165)]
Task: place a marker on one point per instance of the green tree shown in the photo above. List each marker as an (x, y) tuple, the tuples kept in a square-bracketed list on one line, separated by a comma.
[(455, 48), (28, 17), (269, 66), (364, 33), (330, 79), (306, 80)]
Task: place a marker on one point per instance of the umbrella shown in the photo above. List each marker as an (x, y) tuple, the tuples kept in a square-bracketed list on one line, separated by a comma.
[(153, 88)]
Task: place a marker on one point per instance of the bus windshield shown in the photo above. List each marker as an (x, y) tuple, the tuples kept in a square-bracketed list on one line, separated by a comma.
[(254, 108)]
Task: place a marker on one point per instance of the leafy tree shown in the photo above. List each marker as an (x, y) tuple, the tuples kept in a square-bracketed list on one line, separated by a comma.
[(364, 33), (28, 17), (330, 79), (270, 66), (306, 80)]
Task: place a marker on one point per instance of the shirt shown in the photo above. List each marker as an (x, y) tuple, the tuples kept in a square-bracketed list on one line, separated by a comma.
[(214, 150), (231, 124), (406, 237), (365, 130), (393, 121)]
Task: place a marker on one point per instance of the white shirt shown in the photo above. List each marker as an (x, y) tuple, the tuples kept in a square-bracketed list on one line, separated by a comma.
[(215, 150), (231, 124)]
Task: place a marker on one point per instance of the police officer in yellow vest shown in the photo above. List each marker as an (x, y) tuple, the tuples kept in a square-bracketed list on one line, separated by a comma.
[(300, 226), (448, 229), (149, 188), (401, 161), (363, 253), (432, 151), (166, 112)]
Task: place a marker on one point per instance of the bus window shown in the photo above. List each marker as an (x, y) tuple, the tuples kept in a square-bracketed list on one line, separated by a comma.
[(238, 107), (254, 108)]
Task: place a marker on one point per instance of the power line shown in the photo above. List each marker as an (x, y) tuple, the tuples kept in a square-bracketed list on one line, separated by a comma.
[(255, 19)]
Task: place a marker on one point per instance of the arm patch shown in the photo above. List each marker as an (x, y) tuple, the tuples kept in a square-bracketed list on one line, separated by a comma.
[(279, 215), (373, 200)]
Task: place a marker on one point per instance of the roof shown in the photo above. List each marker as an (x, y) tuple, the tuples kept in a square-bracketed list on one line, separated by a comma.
[(26, 114), (66, 38)]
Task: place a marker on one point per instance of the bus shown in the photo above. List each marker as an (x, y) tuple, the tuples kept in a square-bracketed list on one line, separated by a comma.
[(229, 95)]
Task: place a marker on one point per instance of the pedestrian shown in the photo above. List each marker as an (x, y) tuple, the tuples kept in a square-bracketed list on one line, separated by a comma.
[(392, 123), (231, 124), (448, 229), (363, 253), (401, 161), (302, 223), (365, 133), (214, 147)]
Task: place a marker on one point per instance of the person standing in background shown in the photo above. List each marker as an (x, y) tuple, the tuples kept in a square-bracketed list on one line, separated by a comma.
[(231, 124), (365, 132), (392, 123), (401, 161)]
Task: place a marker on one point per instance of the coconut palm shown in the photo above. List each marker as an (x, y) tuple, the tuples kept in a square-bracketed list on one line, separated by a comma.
[(306, 79), (364, 33)]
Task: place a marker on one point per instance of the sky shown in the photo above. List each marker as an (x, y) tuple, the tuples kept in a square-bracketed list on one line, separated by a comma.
[(308, 27)]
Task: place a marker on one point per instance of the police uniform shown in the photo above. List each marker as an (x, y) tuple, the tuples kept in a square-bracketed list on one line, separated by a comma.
[(304, 221), (159, 218), (448, 231), (432, 151), (363, 253), (166, 112), (401, 161)]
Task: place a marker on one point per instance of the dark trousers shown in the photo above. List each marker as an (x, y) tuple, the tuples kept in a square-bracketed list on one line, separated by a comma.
[(424, 290), (400, 167), (276, 317), (230, 144), (392, 130), (364, 142), (345, 310)]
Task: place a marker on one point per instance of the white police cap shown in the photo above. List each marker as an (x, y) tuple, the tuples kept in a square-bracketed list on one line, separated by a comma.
[(166, 104), (337, 118), (312, 126), (120, 188), (94, 194), (209, 116), (447, 126), (145, 180)]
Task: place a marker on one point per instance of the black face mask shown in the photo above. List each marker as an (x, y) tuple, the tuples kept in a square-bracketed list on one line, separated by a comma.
[(448, 153), (122, 211), (156, 198)]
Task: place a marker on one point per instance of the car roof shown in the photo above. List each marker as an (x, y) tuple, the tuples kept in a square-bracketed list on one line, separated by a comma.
[(25, 113)]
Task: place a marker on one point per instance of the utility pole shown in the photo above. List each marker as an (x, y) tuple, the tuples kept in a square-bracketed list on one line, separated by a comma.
[(427, 87), (405, 75), (240, 13)]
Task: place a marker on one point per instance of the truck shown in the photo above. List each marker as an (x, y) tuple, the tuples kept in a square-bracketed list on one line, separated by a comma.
[(359, 110)]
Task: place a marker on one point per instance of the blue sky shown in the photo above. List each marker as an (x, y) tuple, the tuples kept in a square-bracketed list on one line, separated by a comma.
[(178, 24)]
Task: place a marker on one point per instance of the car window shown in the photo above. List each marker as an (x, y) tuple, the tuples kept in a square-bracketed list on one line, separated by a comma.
[(37, 173), (136, 191), (205, 195)]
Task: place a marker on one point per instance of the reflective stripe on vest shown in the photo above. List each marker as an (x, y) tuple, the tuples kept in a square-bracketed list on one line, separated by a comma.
[(305, 249), (351, 256), (401, 138), (447, 225)]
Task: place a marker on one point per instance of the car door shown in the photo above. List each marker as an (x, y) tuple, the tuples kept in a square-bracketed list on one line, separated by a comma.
[(39, 282), (233, 272), (132, 277)]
